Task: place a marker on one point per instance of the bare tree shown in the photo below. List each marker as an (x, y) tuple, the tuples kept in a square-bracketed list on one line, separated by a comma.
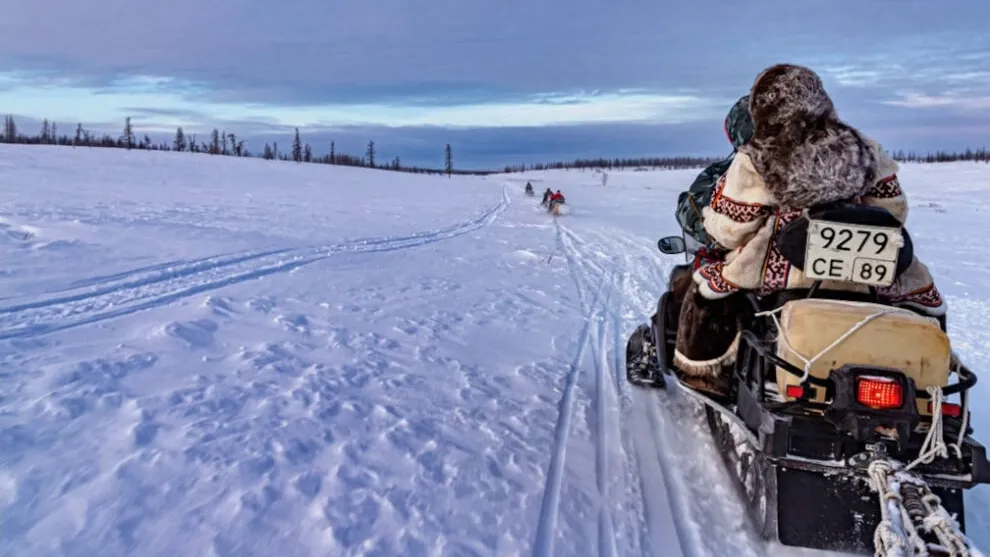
[(214, 148), (180, 140), (10, 129), (128, 136), (297, 148)]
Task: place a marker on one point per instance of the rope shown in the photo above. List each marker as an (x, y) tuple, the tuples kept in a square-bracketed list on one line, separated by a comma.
[(934, 444), (891, 538), (897, 534), (809, 363)]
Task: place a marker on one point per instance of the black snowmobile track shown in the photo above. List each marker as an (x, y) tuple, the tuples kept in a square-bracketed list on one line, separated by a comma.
[(644, 374)]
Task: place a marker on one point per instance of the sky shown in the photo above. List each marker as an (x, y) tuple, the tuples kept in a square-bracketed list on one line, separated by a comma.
[(502, 81)]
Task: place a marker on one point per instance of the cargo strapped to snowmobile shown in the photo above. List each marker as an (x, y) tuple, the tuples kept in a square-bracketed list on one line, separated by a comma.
[(966, 378)]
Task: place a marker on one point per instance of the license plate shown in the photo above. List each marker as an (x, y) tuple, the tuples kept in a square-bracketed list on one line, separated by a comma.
[(852, 253)]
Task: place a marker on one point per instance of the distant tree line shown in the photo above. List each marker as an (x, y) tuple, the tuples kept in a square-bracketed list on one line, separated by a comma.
[(978, 155), (223, 143), (218, 142), (644, 163), (669, 163)]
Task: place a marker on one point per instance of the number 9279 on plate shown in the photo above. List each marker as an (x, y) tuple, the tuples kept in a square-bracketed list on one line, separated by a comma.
[(852, 252)]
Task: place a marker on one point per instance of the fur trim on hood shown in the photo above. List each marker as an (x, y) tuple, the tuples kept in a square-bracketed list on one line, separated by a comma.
[(804, 153)]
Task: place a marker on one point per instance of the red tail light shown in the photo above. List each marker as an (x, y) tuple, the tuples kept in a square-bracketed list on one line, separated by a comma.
[(879, 393), (794, 391), (948, 409)]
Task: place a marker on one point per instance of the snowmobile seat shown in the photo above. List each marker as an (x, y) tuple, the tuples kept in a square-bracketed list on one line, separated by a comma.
[(900, 339)]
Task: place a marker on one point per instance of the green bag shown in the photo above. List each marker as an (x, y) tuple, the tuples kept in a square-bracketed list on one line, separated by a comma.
[(690, 202)]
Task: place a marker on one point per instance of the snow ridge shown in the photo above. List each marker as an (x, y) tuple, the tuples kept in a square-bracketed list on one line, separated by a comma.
[(129, 292)]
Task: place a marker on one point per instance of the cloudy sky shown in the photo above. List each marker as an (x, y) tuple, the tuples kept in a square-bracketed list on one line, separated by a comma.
[(504, 81)]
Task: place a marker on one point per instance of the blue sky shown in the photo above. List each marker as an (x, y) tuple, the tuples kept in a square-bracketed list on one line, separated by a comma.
[(504, 81)]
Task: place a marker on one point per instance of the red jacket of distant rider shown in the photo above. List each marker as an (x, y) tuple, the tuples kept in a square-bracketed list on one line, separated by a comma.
[(557, 197)]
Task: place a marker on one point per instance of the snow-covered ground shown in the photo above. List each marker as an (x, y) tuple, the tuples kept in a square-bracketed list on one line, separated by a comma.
[(209, 356)]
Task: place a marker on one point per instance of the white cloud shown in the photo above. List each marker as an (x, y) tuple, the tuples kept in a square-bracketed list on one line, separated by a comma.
[(76, 103), (852, 76), (945, 100)]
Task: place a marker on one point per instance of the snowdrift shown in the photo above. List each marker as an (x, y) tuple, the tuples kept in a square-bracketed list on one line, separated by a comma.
[(243, 357)]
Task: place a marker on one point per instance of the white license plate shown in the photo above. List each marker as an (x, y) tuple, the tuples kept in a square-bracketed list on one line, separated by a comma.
[(852, 253)]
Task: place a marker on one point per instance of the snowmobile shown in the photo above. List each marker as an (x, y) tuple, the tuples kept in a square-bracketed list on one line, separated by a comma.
[(529, 189), (558, 207), (837, 426)]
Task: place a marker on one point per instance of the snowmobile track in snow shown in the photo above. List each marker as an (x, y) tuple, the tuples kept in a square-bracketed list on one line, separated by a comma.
[(700, 493), (673, 490), (595, 297), (154, 286)]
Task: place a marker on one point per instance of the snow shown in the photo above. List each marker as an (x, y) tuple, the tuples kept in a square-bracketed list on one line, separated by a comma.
[(230, 357)]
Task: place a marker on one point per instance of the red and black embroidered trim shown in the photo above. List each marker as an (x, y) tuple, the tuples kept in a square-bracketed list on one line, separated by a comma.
[(736, 210), (927, 296), (887, 188), (712, 273), (776, 267)]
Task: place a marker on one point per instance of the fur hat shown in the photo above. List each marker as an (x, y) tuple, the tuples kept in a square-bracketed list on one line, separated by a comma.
[(804, 153)]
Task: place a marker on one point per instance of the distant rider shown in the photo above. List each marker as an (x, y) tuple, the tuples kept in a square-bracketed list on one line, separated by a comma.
[(546, 196)]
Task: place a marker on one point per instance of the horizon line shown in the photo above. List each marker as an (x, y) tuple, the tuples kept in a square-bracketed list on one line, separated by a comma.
[(980, 153)]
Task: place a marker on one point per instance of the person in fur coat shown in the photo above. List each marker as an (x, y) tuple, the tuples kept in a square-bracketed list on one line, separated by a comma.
[(801, 155)]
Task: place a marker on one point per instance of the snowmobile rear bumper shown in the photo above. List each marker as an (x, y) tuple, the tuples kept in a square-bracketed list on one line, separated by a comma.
[(806, 443), (815, 485), (833, 512), (801, 492)]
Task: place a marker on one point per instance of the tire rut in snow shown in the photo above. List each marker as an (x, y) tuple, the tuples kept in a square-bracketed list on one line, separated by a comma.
[(686, 496), (147, 288), (604, 392), (596, 286)]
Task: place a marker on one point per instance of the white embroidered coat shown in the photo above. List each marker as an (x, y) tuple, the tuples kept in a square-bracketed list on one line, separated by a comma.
[(744, 218)]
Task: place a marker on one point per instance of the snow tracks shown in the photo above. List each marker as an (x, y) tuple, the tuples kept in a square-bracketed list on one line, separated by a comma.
[(654, 484), (107, 297)]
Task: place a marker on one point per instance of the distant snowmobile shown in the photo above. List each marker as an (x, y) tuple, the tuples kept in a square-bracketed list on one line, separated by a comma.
[(529, 189), (556, 203), (817, 444)]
